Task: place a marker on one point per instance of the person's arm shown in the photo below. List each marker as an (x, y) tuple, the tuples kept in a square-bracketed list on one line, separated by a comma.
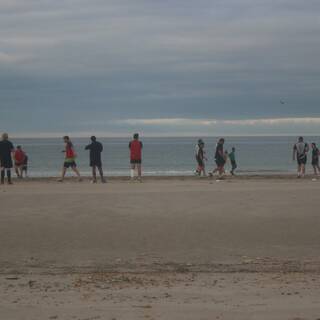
[(87, 147), (294, 152), (65, 148), (129, 145), (141, 144), (306, 150)]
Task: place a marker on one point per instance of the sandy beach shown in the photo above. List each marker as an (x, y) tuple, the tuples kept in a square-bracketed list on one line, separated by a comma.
[(167, 248)]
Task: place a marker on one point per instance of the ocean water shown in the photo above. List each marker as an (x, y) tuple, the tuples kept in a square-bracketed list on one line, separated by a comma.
[(165, 156)]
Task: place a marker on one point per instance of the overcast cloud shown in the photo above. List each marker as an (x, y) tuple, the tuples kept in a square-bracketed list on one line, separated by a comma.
[(159, 67)]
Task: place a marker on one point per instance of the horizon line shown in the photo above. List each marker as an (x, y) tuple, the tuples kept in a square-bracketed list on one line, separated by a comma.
[(82, 136)]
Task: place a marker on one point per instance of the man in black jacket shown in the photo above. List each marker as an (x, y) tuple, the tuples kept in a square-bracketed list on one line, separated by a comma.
[(95, 148)]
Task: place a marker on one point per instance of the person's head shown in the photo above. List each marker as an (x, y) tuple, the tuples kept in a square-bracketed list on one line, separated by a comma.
[(300, 139), (19, 147), (136, 136), (200, 142), (5, 136), (233, 149), (93, 139), (66, 139), (221, 140), (313, 144)]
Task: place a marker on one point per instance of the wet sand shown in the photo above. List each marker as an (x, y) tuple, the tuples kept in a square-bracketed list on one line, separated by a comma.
[(178, 248)]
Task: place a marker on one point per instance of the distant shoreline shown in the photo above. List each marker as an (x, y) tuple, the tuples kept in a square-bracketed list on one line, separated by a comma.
[(254, 177)]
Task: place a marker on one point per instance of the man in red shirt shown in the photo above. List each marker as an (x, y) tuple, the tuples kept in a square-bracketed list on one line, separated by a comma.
[(135, 147), (19, 160)]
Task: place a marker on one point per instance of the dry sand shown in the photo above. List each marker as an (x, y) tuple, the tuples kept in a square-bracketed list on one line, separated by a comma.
[(176, 248)]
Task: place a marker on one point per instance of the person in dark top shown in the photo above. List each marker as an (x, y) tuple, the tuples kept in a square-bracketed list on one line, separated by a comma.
[(200, 155), (300, 151), (135, 147), (219, 158), (6, 154), (315, 159), (95, 148)]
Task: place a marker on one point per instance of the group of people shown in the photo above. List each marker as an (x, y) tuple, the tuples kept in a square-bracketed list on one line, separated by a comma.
[(221, 157), (95, 149), (300, 153), (10, 156), (16, 157)]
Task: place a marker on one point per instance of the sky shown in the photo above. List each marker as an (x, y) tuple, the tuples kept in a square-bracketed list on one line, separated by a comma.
[(161, 68)]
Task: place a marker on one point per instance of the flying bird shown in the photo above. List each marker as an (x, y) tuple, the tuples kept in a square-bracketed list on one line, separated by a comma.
[(281, 101)]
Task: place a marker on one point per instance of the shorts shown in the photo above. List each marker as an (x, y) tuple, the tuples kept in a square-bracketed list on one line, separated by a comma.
[(6, 163), (200, 162), (302, 160), (71, 164), (233, 164), (220, 162), (19, 164), (135, 161), (96, 163), (315, 162)]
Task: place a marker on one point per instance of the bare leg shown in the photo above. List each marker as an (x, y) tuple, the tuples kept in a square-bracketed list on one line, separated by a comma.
[(94, 174), (63, 173), (204, 171), (76, 171), (299, 170), (139, 170), (103, 180), (315, 169), (133, 166), (215, 170), (9, 176), (17, 171), (2, 175), (303, 169), (221, 171)]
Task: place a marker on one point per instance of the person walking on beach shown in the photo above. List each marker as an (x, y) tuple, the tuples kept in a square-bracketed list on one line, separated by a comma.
[(300, 151), (95, 148), (19, 160), (201, 158), (315, 159), (232, 157), (219, 158), (6, 154), (135, 147), (69, 159)]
